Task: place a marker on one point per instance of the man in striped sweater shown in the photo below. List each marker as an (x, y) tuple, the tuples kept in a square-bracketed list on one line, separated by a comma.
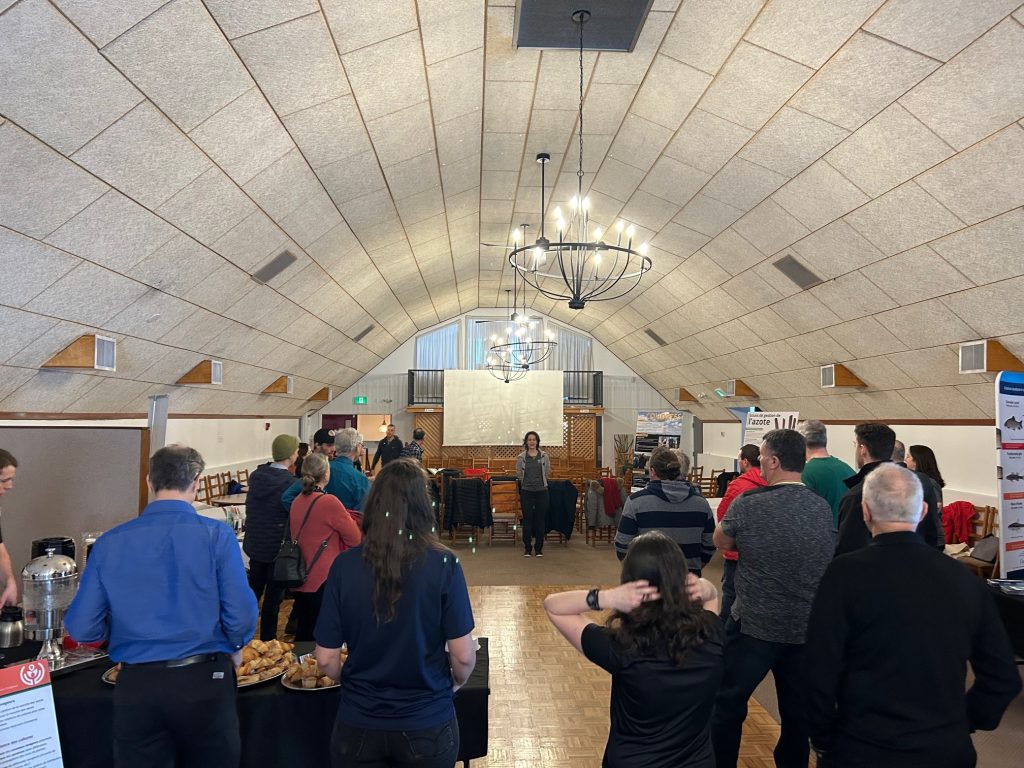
[(671, 505)]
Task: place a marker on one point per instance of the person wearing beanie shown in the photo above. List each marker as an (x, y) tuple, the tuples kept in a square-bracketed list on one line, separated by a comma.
[(265, 518)]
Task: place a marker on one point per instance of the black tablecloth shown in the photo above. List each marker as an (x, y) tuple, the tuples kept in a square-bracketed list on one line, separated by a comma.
[(279, 727), (1011, 611)]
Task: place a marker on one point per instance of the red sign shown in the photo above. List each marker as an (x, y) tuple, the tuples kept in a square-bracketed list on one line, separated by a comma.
[(20, 677)]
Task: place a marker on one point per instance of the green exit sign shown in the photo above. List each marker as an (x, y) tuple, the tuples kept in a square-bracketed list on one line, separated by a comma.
[(359, 400)]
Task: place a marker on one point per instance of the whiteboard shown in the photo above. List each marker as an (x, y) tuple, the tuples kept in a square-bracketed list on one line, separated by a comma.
[(482, 410)]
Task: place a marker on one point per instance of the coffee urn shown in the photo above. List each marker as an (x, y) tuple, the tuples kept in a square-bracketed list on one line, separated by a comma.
[(50, 582)]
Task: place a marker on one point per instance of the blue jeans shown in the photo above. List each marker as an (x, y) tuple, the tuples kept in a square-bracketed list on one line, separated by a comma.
[(436, 747), (747, 662)]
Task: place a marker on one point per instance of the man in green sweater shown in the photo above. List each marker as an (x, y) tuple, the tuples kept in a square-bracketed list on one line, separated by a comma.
[(823, 474)]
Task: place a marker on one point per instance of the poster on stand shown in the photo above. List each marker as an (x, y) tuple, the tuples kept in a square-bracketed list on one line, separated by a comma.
[(756, 425), (654, 428), (28, 719), (1010, 472)]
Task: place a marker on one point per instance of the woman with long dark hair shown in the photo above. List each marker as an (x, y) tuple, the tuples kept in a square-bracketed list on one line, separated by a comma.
[(921, 459), (662, 645), (324, 529), (532, 469), (395, 602)]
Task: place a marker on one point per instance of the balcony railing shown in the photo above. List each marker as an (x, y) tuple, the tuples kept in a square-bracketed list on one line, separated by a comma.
[(579, 388)]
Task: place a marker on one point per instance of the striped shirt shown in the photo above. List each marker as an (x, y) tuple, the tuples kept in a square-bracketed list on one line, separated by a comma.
[(675, 508)]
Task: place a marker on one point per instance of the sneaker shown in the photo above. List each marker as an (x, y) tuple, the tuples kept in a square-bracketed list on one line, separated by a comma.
[(540, 554), (527, 554)]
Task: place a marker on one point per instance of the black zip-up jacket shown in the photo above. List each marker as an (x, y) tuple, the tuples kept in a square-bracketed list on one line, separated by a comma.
[(387, 451), (265, 515)]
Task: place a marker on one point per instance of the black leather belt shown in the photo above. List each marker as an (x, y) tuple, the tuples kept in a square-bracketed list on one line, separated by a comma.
[(187, 661)]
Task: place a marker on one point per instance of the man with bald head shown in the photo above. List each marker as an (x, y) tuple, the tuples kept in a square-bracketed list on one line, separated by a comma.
[(886, 670)]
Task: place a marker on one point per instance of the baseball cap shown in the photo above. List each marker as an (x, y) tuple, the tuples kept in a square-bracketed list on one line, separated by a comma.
[(323, 436)]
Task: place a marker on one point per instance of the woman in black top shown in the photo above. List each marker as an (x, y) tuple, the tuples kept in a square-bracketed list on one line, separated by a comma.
[(663, 649), (921, 459)]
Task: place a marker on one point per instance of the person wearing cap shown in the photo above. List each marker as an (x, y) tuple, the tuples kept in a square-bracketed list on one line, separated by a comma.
[(265, 518), (323, 443)]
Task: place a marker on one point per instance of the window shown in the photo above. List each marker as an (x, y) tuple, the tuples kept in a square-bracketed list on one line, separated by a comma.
[(438, 349), (478, 339), (574, 351)]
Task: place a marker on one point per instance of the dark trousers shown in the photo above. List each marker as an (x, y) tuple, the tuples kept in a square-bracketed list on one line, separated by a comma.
[(436, 747), (747, 662), (728, 588), (183, 716), (535, 518), (261, 579), (307, 611)]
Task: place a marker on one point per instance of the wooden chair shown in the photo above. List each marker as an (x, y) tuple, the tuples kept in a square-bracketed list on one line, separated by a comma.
[(243, 476), (711, 484), (607, 472), (579, 465), (480, 464), (213, 486), (985, 521), (506, 513)]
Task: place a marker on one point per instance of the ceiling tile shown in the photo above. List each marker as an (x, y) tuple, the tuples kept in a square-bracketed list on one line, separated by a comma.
[(113, 232), (879, 373), (220, 289), (703, 271), (753, 85), (459, 176), (504, 60), (916, 275), (55, 84), (238, 17), (982, 181), (54, 391), (244, 137), (502, 151), (903, 218), (399, 63), (329, 131), (865, 337), (617, 180), (23, 328), (791, 141), (88, 294), (930, 28), (818, 348), (705, 31), (358, 23), (731, 252), (176, 267), (283, 185), (402, 135), (451, 28), (507, 106), (887, 405), (942, 402), (639, 142), (208, 207), (975, 307), (622, 67), (144, 156), (456, 88), (987, 251), (181, 61), (809, 31), (819, 195), (980, 395), (935, 366), (649, 211), (669, 92), (250, 241), (195, 331), (706, 141), (852, 296), (835, 250), (295, 63), (767, 324), (672, 180), (152, 315), (769, 227), (103, 21), (352, 177), (421, 206), (804, 312), (678, 240), (558, 78), (312, 219), (707, 215), (864, 77), (926, 324), (29, 267), (889, 149), (743, 184), (751, 291), (41, 190)]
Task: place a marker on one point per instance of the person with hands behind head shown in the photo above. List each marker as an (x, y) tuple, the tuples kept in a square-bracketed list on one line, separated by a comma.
[(8, 468), (662, 645)]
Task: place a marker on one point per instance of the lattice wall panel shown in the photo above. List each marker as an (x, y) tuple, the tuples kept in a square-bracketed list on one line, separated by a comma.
[(433, 425), (581, 435)]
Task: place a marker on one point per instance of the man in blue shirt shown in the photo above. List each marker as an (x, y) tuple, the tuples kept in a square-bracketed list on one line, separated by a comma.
[(168, 592), (347, 483)]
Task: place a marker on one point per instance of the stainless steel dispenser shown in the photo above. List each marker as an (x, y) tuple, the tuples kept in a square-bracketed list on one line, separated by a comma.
[(50, 583)]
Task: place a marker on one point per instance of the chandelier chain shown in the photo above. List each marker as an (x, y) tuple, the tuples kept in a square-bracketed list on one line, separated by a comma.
[(579, 171)]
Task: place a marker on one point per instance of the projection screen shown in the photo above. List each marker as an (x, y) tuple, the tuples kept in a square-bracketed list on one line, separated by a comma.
[(482, 410)]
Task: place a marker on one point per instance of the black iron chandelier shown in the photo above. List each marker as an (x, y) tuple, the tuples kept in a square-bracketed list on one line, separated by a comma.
[(581, 265), (521, 346)]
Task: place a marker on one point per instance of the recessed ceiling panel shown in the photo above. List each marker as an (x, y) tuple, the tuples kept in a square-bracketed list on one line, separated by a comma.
[(614, 25)]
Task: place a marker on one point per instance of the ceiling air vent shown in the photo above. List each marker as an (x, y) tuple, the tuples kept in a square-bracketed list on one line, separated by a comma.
[(797, 272), (657, 339), (91, 351), (828, 376), (274, 267), (216, 372), (362, 334), (106, 354), (988, 356), (973, 357)]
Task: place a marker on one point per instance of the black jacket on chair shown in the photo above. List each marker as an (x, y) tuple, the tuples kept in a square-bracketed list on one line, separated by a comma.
[(265, 515)]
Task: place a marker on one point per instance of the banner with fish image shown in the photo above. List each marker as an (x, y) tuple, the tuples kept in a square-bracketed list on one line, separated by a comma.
[(1010, 472)]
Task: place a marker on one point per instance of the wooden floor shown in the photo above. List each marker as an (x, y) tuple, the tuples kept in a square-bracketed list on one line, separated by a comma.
[(549, 705)]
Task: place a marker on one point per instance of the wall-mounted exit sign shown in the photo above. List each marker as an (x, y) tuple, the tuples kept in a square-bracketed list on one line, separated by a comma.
[(359, 400)]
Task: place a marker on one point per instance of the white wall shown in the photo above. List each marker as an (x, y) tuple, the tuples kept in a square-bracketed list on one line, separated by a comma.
[(966, 454), (230, 444)]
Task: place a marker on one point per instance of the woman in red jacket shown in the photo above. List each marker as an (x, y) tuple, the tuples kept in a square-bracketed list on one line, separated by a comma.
[(750, 478), (324, 529)]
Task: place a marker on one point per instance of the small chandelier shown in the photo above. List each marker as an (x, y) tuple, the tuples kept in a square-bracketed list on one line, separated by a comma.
[(518, 349), (506, 371), (580, 266)]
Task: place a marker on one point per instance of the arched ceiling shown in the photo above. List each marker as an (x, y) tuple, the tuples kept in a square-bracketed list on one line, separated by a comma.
[(154, 154)]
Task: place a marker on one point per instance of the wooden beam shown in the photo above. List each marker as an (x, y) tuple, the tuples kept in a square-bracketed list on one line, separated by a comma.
[(279, 387), (685, 396), (322, 396), (201, 374), (80, 353), (999, 358), (583, 409)]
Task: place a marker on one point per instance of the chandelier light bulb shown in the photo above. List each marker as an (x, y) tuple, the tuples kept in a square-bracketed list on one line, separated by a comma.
[(558, 213), (619, 226), (643, 249), (597, 259), (586, 203), (574, 203), (516, 234), (630, 231), (598, 232)]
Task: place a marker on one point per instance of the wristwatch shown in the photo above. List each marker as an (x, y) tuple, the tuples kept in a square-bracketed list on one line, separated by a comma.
[(592, 603)]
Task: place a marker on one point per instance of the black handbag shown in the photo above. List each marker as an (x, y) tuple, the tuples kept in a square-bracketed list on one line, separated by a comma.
[(290, 569)]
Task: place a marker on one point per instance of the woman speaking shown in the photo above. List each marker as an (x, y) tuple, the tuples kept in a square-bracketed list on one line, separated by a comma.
[(532, 469)]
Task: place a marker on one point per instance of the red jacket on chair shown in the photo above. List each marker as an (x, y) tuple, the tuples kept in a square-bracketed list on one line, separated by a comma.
[(748, 481), (956, 521)]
